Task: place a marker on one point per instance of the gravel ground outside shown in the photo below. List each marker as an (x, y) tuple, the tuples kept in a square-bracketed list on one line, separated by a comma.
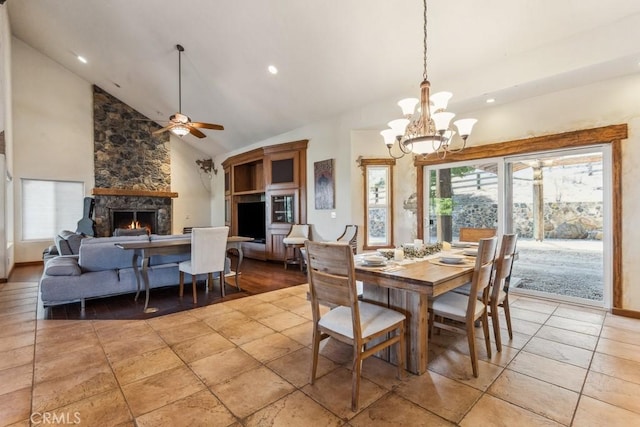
[(564, 267)]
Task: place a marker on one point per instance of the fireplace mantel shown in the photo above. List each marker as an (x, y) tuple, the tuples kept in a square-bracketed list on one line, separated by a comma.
[(132, 193)]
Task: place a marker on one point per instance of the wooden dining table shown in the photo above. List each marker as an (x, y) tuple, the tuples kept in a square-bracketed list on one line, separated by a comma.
[(407, 287)]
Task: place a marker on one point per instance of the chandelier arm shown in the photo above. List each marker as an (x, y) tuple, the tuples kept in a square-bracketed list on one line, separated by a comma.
[(457, 150), (391, 154), (404, 148)]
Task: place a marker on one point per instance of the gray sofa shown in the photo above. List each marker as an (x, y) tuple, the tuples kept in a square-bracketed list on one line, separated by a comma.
[(102, 269)]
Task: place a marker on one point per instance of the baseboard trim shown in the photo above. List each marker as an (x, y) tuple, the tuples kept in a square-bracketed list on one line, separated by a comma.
[(626, 313), (28, 264)]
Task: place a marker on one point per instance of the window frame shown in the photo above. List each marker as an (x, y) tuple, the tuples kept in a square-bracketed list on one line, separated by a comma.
[(365, 164)]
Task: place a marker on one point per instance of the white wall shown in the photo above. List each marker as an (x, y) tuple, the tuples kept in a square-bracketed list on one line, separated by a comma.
[(192, 208), (53, 139), (346, 137)]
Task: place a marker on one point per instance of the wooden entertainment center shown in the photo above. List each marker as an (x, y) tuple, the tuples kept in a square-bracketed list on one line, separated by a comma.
[(265, 193)]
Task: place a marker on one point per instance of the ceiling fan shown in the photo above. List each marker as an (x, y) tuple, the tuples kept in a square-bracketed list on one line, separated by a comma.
[(181, 124)]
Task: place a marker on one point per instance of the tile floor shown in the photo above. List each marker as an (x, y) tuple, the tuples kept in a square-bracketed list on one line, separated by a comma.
[(245, 363)]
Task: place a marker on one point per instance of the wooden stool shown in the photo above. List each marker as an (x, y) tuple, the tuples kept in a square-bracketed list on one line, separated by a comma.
[(294, 240), (296, 256)]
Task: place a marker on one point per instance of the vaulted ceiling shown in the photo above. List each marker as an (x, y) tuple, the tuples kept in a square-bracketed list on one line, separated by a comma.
[(333, 56)]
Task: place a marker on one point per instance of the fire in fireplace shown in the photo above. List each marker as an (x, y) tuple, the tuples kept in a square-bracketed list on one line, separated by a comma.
[(147, 219)]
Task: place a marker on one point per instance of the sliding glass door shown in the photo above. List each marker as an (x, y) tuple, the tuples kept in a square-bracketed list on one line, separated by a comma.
[(462, 195), (559, 205)]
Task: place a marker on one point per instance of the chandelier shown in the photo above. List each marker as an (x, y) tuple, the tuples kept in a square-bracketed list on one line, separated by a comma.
[(426, 130)]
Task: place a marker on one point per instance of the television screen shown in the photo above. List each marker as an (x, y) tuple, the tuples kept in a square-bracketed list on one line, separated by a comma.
[(251, 220)]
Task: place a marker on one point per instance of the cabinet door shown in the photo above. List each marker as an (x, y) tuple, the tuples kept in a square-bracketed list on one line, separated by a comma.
[(283, 210), (283, 170)]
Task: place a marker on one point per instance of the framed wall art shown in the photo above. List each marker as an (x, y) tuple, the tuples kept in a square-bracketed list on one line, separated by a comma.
[(324, 184)]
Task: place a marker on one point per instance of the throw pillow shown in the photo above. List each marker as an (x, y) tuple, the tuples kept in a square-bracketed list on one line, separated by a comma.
[(62, 266)]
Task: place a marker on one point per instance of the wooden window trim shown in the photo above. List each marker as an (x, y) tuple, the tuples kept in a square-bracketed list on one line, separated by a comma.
[(364, 163)]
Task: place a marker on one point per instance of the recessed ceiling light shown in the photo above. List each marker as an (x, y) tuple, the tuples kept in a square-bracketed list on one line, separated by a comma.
[(82, 59), (490, 100), (272, 69)]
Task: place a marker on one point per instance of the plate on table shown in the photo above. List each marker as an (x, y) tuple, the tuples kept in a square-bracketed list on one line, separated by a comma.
[(460, 245), (470, 252), (452, 259), (374, 260)]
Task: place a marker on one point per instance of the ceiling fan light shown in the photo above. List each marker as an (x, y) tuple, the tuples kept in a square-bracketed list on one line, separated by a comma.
[(180, 130)]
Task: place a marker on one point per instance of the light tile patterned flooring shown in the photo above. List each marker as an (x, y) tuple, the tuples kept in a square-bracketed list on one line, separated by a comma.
[(246, 362)]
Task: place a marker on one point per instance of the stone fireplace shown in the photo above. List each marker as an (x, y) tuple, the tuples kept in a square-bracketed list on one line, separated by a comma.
[(132, 169), (118, 211)]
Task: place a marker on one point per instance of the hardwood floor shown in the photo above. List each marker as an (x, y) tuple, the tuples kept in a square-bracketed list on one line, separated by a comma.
[(256, 277)]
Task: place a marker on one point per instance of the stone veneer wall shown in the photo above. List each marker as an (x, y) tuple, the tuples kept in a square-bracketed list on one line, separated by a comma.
[(128, 157)]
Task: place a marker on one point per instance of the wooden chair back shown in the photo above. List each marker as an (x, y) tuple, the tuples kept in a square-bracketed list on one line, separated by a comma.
[(482, 274), (504, 264), (331, 274), (468, 234)]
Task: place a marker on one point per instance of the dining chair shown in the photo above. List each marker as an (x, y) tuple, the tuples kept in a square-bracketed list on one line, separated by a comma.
[(331, 275), (208, 256), (466, 310), (499, 287), (469, 234), (294, 240), (350, 236)]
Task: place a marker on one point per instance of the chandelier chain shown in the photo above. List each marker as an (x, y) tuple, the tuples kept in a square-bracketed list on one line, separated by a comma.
[(424, 64)]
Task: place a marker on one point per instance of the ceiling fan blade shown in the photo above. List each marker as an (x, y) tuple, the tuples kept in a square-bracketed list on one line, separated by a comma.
[(164, 129), (196, 132), (207, 126)]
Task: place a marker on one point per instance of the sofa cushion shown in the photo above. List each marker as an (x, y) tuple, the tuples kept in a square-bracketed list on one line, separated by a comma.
[(101, 253), (62, 266), (68, 242)]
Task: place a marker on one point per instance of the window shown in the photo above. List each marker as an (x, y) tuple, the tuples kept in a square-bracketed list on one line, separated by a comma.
[(378, 194), (50, 206)]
